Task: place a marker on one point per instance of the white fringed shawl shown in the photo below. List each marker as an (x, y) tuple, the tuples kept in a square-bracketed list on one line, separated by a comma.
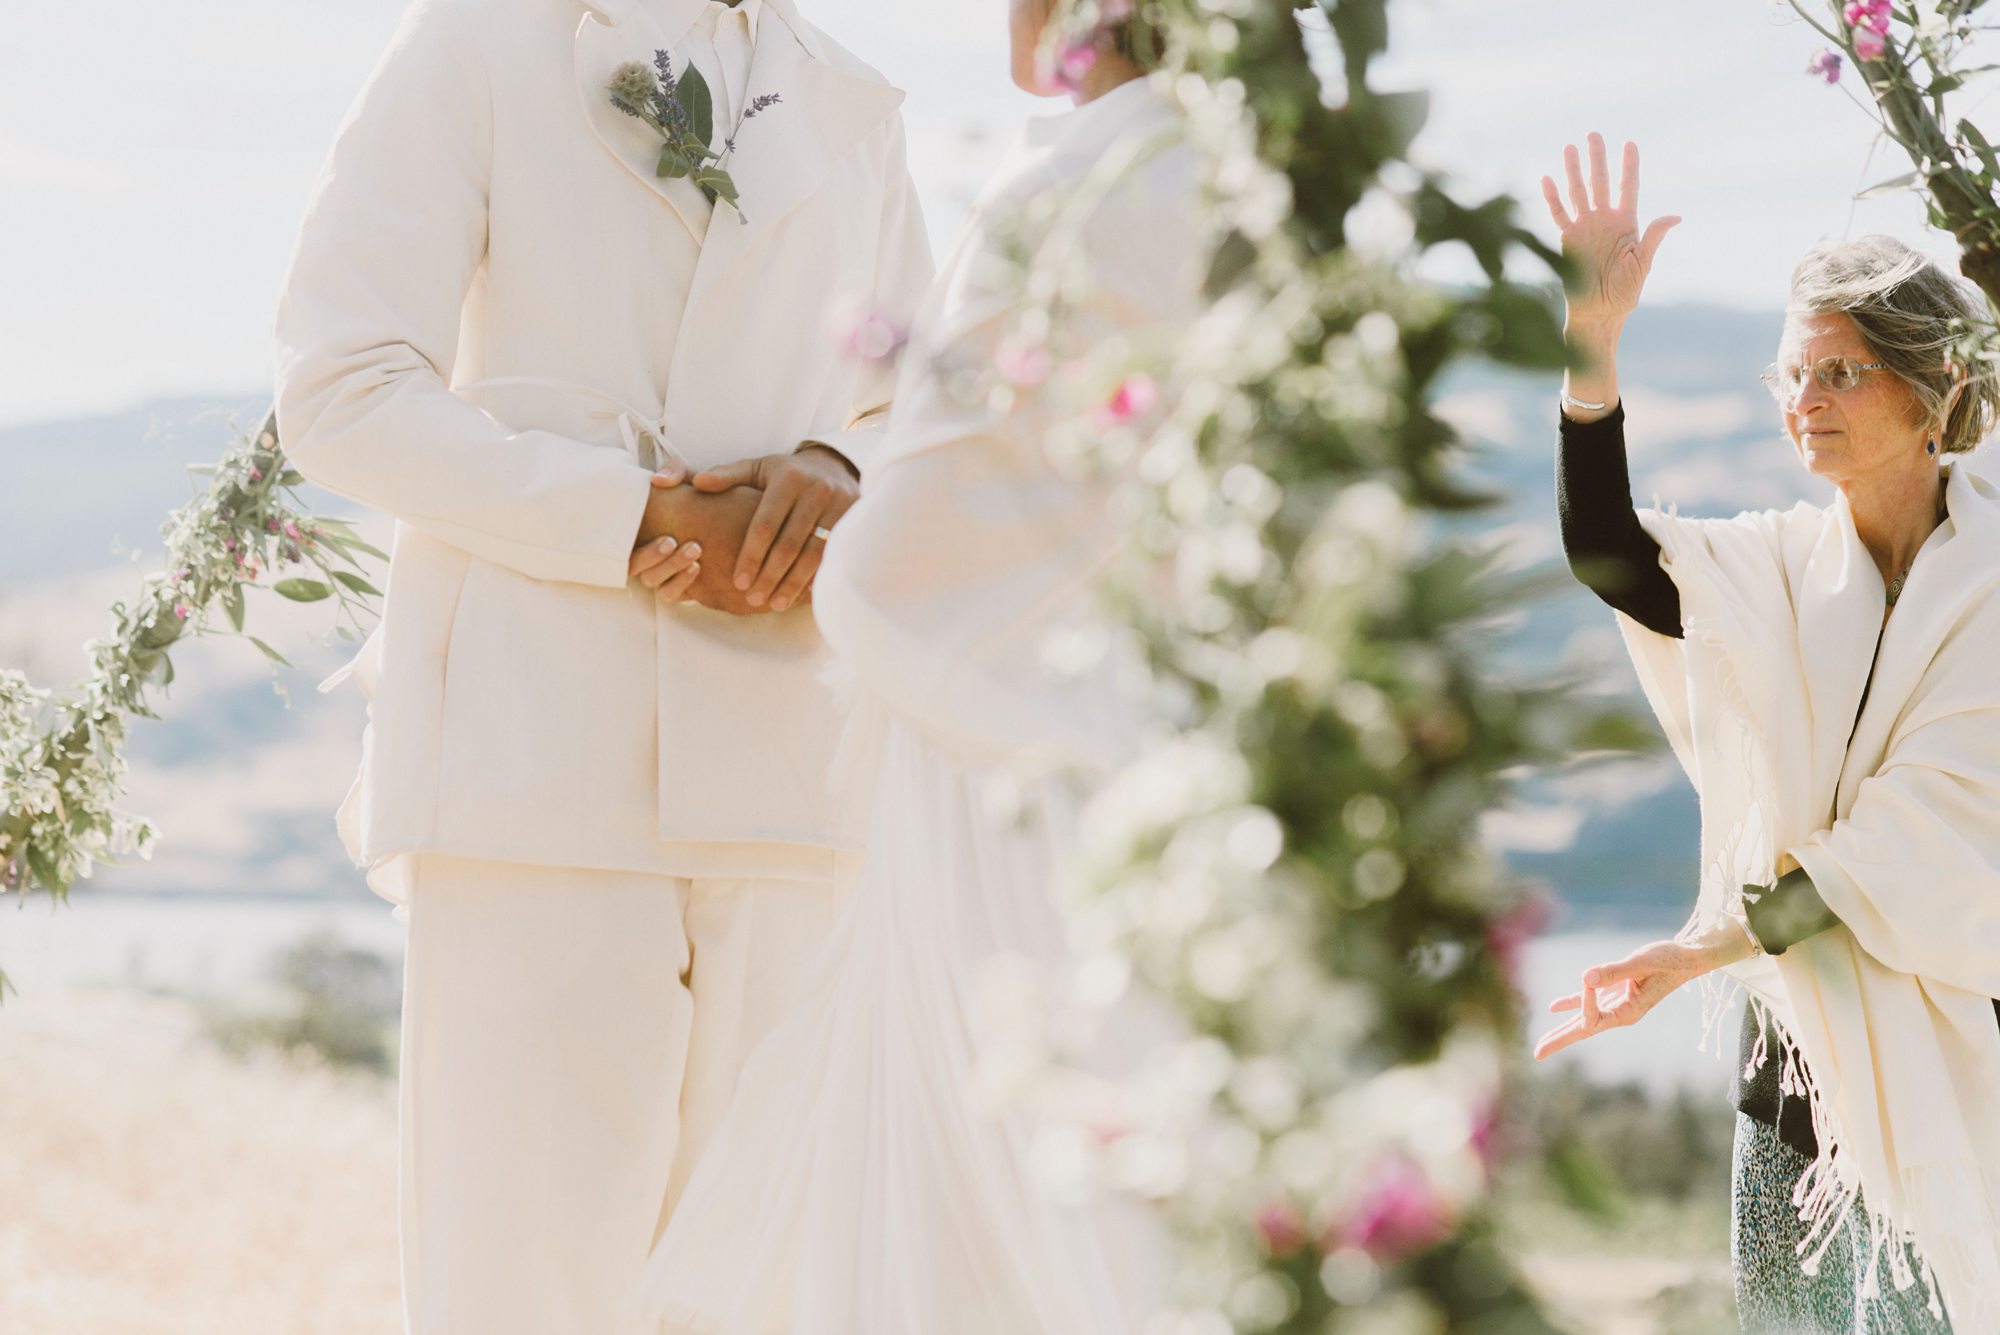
[(1899, 828)]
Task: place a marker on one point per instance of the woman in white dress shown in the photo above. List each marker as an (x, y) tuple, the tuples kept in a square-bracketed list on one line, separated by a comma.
[(863, 1181)]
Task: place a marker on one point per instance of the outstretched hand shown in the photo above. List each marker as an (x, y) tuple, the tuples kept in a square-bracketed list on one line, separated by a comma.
[(1601, 237), (1620, 994), (802, 493)]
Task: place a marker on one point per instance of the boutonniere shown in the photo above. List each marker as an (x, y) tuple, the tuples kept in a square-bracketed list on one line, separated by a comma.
[(682, 112)]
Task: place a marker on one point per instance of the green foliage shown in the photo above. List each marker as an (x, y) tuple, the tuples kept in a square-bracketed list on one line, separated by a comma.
[(698, 102), (341, 1008), (1298, 865), (62, 761), (1925, 62), (682, 113)]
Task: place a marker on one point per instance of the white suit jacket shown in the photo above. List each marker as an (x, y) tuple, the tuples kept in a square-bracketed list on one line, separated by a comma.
[(493, 307)]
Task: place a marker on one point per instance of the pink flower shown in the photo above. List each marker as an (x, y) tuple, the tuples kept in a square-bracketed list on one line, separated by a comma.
[(292, 530), (1136, 396), (1869, 44), (256, 475), (271, 525), (1064, 71), (873, 338), (1400, 1213), (181, 610), (1868, 13), (1107, 1128), (1075, 63), (1825, 65), (1024, 365), (1486, 1129), (1280, 1229)]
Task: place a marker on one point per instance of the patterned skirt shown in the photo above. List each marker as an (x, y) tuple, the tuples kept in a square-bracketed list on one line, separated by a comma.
[(1775, 1297)]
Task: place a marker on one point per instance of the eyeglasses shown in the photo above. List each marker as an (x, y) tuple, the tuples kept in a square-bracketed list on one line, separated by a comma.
[(1836, 374)]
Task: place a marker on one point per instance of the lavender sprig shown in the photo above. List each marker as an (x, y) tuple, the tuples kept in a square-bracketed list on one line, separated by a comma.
[(757, 104)]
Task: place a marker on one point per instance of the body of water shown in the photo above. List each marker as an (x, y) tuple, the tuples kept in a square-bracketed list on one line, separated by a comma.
[(223, 948)]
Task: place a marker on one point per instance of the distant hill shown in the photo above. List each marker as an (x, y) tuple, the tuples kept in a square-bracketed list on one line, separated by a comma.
[(77, 489), (245, 789)]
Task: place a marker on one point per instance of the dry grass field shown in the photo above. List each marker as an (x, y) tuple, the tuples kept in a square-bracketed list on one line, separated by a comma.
[(151, 1185)]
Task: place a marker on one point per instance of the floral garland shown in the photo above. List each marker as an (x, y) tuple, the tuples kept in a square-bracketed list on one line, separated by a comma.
[(62, 763), (1296, 865)]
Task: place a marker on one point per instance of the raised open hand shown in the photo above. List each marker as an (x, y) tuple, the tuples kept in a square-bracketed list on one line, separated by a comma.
[(1602, 237)]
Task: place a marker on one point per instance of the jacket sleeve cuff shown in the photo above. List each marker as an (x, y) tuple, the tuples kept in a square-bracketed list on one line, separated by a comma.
[(851, 445)]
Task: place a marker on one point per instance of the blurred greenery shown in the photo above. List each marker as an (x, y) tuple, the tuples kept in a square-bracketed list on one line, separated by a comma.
[(1620, 1191), (340, 1008)]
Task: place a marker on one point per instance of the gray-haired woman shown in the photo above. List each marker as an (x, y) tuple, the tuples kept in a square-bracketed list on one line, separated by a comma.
[(1827, 676)]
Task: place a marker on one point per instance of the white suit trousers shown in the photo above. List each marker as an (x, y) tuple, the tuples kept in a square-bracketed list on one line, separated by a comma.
[(571, 1038)]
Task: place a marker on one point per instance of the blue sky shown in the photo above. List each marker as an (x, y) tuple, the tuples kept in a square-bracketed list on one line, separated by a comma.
[(155, 159)]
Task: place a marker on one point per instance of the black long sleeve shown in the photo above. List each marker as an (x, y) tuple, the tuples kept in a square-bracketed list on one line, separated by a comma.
[(1618, 561), (1608, 551)]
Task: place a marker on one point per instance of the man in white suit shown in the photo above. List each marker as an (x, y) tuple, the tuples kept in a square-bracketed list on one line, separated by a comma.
[(605, 810)]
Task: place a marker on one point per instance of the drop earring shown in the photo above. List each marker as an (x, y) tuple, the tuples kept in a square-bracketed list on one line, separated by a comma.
[(1930, 447)]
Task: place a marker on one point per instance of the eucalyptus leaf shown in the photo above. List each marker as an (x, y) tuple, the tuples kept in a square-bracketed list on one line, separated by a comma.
[(1889, 186), (232, 604), (356, 583), (303, 590), (269, 652), (673, 163), (698, 102), (719, 181)]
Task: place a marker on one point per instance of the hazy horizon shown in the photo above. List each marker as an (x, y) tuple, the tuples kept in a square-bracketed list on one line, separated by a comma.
[(141, 254)]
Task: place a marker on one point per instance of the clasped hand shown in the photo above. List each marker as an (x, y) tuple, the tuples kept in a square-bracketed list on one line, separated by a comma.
[(757, 521)]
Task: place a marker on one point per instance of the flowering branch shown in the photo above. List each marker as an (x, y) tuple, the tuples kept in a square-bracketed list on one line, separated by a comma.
[(1296, 864), (61, 761), (1909, 76)]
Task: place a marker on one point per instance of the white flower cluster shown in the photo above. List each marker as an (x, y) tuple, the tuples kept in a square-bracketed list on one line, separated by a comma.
[(62, 764), (1319, 1094)]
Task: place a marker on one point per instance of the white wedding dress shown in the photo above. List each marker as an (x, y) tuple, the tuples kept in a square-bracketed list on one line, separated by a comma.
[(867, 1182)]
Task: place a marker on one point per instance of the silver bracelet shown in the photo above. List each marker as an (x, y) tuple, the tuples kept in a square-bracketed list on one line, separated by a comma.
[(1742, 919), (1570, 402)]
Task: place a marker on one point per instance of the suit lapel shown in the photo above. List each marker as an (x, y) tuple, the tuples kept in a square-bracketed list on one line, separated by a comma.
[(612, 32), (784, 155)]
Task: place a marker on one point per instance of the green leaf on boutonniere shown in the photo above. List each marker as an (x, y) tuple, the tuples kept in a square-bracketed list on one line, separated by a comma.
[(232, 603), (673, 163), (717, 184), (698, 102)]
